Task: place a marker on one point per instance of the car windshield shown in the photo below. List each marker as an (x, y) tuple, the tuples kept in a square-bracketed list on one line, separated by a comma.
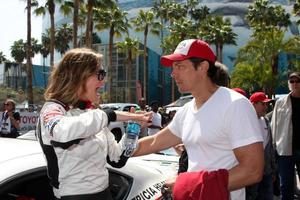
[(168, 152), (111, 107), (183, 100)]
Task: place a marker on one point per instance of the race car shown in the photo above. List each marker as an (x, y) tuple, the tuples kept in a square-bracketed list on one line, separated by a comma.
[(23, 174)]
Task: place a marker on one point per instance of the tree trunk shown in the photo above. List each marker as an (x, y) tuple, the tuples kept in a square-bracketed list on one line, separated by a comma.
[(88, 32), (28, 54), (44, 72), (110, 65), (52, 31), (129, 76), (75, 22), (275, 65), (145, 94), (220, 53)]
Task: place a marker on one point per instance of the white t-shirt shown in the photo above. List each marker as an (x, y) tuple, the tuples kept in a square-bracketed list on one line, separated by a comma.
[(226, 121), (156, 120)]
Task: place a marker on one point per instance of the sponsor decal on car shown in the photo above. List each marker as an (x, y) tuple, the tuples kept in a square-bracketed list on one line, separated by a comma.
[(149, 192)]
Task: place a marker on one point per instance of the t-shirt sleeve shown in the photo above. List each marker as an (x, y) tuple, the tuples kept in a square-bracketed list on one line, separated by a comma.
[(241, 124)]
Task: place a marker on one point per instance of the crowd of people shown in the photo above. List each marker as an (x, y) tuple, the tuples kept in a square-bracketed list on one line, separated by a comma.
[(229, 147)]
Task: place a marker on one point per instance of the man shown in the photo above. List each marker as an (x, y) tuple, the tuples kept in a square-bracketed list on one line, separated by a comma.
[(156, 119), (264, 189), (218, 127), (286, 136), (10, 120)]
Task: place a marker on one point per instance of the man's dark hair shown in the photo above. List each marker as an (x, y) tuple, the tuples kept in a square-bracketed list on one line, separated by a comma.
[(217, 72)]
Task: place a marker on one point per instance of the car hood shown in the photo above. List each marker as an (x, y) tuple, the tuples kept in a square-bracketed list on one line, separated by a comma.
[(165, 164)]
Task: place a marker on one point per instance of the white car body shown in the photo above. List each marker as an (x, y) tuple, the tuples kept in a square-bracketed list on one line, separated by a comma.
[(23, 173)]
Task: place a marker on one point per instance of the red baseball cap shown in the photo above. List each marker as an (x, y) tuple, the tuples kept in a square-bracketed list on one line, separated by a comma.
[(259, 97), (192, 48), (241, 91)]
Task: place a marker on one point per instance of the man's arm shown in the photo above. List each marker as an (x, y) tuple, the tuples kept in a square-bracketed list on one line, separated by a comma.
[(250, 167), (151, 144)]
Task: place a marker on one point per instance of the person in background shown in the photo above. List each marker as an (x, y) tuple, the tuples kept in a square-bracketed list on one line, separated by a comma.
[(74, 133), (286, 136), (241, 91), (164, 116), (143, 106), (218, 128), (156, 120), (10, 120), (264, 189)]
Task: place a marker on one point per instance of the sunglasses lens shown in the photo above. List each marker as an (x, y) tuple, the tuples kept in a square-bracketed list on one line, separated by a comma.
[(101, 74), (294, 81)]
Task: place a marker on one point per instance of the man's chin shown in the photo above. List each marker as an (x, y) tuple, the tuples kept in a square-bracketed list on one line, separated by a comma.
[(182, 91)]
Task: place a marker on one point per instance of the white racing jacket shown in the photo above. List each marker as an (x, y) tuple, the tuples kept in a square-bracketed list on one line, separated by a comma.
[(77, 143)]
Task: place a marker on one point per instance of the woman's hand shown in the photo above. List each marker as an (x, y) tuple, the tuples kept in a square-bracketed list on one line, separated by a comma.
[(145, 118), (142, 117)]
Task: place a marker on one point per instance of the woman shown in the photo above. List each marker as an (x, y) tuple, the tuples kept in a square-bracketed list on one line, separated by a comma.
[(73, 132), (10, 120)]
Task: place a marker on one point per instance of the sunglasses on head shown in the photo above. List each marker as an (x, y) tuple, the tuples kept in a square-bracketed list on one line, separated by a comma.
[(294, 81), (101, 74)]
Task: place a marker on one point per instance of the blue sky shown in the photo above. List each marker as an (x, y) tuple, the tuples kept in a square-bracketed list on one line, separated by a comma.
[(14, 25)]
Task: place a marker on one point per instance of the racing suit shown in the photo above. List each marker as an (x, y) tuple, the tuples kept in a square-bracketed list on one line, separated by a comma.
[(76, 144)]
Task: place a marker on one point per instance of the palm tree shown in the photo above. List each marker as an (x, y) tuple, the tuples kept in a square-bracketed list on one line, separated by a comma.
[(41, 10), (66, 8), (262, 53), (161, 10), (116, 21), (296, 9), (268, 20), (199, 14), (91, 4), (89, 23), (131, 48), (263, 17), (145, 22), (2, 57), (63, 37), (45, 50), (75, 22), (18, 53), (28, 54), (219, 32)]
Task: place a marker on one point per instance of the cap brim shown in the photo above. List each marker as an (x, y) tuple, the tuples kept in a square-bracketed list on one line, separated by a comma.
[(267, 100), (168, 60)]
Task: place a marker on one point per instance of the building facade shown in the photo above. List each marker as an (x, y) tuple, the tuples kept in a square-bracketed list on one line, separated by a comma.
[(159, 80)]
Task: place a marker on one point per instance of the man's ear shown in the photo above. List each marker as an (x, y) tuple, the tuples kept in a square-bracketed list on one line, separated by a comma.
[(203, 66)]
